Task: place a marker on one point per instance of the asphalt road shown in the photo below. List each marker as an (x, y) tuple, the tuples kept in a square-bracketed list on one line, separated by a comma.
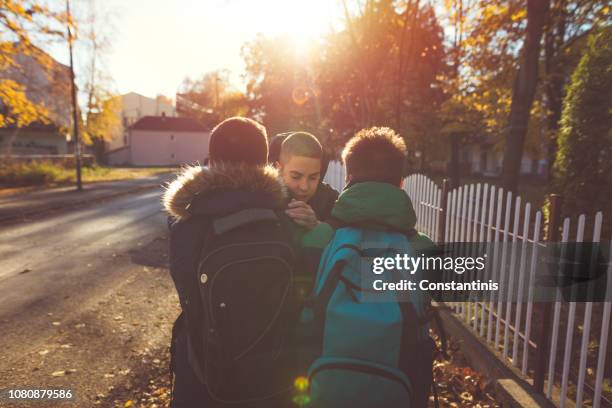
[(85, 298)]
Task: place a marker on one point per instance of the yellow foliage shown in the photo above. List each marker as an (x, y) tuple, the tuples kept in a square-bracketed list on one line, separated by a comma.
[(103, 121), (21, 111), (519, 15), (17, 25)]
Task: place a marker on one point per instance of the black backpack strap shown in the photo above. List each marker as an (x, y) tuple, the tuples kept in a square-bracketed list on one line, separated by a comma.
[(433, 315), (240, 218), (176, 328), (443, 338), (193, 360)]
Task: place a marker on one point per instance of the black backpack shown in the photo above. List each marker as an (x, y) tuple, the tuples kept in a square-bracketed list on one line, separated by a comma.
[(246, 287)]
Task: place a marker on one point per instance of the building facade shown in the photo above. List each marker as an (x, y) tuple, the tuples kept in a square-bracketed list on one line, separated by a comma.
[(47, 85), (135, 106), (163, 141)]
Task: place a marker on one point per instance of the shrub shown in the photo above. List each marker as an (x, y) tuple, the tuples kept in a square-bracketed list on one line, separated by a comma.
[(29, 174), (583, 165)]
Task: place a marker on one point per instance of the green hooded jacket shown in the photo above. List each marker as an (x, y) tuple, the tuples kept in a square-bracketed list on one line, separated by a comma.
[(370, 204)]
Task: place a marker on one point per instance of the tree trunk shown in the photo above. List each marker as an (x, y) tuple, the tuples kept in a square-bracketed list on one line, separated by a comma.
[(523, 93), (401, 68), (424, 169), (454, 169), (555, 73)]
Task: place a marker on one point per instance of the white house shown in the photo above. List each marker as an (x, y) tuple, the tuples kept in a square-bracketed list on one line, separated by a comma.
[(133, 107), (163, 141)]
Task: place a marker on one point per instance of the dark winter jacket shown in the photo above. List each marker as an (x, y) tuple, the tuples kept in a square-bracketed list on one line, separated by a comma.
[(322, 202), (192, 200)]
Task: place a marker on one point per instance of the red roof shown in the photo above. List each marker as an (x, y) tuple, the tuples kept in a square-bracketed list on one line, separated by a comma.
[(168, 123)]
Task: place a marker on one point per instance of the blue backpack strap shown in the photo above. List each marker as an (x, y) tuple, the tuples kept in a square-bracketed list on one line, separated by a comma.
[(336, 224)]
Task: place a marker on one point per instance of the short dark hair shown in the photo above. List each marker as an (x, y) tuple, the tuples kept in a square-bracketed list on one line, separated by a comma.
[(274, 147), (301, 144), (375, 154), (238, 140)]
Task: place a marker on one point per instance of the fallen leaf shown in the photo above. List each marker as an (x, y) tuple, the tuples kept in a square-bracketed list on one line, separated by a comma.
[(466, 396), (43, 352), (61, 373)]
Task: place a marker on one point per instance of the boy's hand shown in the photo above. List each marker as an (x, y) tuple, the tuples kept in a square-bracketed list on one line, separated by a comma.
[(302, 214)]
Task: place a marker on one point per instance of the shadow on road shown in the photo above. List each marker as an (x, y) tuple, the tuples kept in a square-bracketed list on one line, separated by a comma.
[(153, 254)]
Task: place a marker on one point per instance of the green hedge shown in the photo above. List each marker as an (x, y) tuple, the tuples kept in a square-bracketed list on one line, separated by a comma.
[(583, 165)]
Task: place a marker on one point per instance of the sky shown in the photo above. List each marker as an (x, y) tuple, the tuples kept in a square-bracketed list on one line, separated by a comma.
[(157, 43)]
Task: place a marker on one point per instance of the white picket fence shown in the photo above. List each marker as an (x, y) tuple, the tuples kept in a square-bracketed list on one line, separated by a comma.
[(576, 369)]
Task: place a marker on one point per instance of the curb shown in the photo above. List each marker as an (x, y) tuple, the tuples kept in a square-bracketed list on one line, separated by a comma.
[(27, 215), (512, 390)]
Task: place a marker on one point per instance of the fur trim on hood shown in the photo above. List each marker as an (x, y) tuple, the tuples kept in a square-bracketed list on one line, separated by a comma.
[(196, 180)]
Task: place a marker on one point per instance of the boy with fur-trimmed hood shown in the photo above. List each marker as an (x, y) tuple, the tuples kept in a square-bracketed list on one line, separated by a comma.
[(237, 179)]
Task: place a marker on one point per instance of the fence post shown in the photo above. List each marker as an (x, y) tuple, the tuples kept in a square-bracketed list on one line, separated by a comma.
[(442, 212), (545, 308)]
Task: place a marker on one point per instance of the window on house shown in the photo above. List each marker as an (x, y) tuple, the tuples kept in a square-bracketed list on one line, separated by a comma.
[(171, 137), (172, 156)]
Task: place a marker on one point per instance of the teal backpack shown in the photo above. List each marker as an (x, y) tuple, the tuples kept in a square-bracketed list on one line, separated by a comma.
[(374, 347)]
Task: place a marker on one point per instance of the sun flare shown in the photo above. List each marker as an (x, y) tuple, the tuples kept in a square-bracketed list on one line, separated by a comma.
[(302, 22)]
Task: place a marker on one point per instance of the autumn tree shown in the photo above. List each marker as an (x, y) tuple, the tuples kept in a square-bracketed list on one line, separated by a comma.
[(456, 113), (493, 52), (282, 84), (380, 69), (523, 92), (22, 23), (101, 106), (210, 99)]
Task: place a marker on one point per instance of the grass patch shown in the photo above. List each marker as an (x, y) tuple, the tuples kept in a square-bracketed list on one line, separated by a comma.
[(48, 174)]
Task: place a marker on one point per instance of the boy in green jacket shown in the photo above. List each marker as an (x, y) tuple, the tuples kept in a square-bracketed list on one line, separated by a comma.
[(374, 160)]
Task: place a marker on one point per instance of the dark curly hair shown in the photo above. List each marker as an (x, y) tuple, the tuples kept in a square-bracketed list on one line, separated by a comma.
[(375, 154)]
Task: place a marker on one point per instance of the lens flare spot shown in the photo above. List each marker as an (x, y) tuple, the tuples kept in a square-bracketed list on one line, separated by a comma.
[(301, 400), (301, 384)]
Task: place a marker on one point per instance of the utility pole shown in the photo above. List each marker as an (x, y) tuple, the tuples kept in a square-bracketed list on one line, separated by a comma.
[(77, 140)]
